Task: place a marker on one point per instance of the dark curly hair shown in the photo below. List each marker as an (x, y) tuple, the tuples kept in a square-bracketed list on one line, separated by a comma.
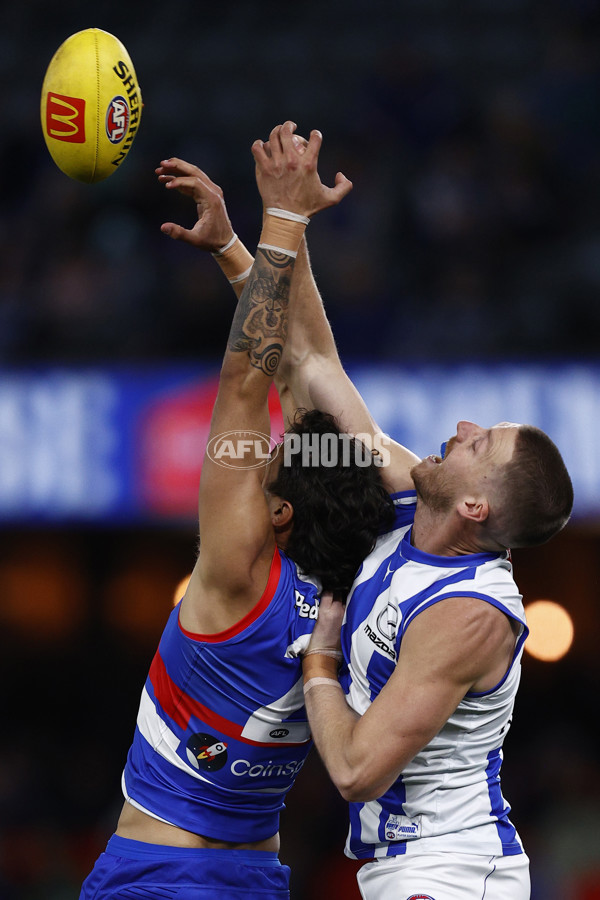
[(339, 501)]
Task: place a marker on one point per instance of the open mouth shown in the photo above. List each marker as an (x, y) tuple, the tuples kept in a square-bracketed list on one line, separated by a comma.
[(439, 459)]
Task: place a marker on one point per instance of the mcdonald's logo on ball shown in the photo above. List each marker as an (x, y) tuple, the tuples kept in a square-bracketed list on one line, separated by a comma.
[(65, 118)]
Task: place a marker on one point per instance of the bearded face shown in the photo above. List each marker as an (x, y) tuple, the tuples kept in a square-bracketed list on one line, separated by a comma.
[(434, 489), (472, 461)]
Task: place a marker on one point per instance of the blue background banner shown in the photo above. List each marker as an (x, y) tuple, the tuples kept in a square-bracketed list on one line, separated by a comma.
[(126, 444)]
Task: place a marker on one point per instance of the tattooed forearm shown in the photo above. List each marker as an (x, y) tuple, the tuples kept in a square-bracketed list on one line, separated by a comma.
[(259, 325)]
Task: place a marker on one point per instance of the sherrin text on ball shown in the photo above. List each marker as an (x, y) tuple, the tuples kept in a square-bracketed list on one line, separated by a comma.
[(91, 105)]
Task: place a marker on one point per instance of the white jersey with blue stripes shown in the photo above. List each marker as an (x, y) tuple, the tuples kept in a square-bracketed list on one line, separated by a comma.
[(449, 797)]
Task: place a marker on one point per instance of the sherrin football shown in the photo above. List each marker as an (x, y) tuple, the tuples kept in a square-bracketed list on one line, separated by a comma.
[(91, 105)]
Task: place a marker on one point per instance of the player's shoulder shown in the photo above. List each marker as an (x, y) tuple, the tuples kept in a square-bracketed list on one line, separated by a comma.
[(292, 575), (495, 576), (300, 588)]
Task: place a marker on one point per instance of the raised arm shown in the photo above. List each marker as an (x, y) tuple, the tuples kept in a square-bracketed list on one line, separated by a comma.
[(312, 371), (236, 530), (311, 374)]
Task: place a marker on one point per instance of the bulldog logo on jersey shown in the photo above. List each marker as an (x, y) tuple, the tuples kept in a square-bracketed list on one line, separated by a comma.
[(205, 751)]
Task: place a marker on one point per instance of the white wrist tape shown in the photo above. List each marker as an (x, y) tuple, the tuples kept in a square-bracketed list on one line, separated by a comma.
[(276, 249), (325, 651), (315, 682), (287, 214), (243, 276), (235, 261), (282, 231), (229, 244)]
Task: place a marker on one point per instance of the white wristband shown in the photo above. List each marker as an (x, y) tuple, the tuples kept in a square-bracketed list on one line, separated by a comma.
[(314, 682), (287, 214), (229, 244), (282, 231), (235, 261), (325, 651), (241, 277), (274, 249)]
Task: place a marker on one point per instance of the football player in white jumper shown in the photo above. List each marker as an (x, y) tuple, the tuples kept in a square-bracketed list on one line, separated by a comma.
[(411, 729)]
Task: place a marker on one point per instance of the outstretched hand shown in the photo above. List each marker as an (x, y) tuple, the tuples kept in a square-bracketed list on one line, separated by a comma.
[(213, 229), (287, 176)]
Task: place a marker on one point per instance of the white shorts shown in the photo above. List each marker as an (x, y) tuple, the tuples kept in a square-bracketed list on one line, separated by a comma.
[(446, 876)]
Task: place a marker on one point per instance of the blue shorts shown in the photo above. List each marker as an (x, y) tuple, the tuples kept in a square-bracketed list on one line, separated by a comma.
[(132, 870)]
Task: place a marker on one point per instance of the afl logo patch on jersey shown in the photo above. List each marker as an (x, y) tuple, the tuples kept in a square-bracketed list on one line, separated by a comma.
[(279, 733), (420, 897), (206, 752)]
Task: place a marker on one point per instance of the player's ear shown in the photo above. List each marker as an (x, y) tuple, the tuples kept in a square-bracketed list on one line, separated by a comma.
[(282, 512), (476, 509)]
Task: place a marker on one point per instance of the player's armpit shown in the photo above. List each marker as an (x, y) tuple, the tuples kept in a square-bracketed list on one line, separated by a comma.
[(237, 543)]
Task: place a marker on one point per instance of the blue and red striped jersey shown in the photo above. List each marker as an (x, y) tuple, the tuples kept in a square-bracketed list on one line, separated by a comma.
[(222, 731)]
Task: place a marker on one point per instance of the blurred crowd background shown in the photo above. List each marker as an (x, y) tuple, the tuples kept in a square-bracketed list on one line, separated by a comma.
[(471, 132), (471, 137)]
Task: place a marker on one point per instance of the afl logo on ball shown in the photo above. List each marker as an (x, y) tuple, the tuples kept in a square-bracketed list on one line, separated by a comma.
[(206, 752), (117, 119)]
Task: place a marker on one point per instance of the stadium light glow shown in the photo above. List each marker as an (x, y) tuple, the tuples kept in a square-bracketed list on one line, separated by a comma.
[(180, 589), (551, 630)]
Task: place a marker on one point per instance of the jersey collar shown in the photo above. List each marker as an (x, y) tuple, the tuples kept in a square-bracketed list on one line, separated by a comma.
[(446, 562)]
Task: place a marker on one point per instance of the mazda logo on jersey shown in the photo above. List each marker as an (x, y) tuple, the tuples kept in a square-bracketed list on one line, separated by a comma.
[(205, 751), (387, 622)]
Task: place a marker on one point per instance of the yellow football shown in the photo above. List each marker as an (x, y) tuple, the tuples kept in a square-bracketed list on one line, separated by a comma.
[(91, 105)]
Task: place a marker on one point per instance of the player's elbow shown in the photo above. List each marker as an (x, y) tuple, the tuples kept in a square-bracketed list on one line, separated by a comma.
[(346, 787), (358, 793), (357, 786), (367, 765), (353, 794)]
